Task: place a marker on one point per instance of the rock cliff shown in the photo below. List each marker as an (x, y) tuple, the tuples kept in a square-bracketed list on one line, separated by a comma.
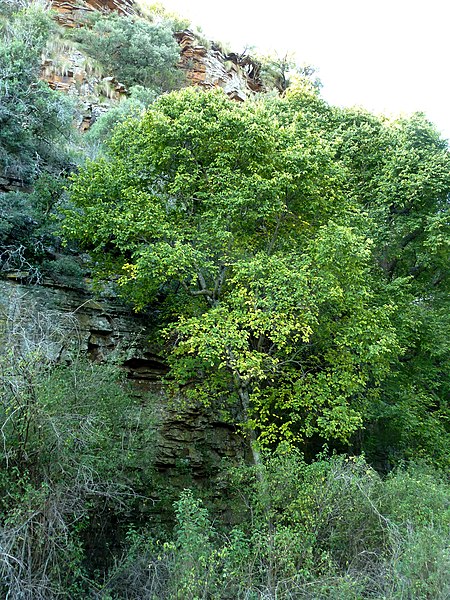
[(238, 76), (101, 328), (70, 13), (66, 69)]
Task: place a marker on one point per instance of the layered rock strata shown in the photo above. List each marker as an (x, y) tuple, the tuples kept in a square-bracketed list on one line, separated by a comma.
[(238, 76), (64, 320), (70, 13), (66, 69)]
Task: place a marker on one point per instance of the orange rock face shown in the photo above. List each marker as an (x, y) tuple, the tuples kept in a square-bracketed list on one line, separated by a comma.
[(71, 12), (68, 70), (69, 73), (237, 75)]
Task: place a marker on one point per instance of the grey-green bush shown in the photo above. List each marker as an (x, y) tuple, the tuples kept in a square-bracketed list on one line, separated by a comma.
[(34, 120), (133, 50)]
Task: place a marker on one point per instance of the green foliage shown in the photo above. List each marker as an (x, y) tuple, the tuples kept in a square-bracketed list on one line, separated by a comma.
[(400, 173), (134, 106), (133, 50), (65, 266), (35, 130), (32, 117), (237, 222), (297, 255), (332, 529), (27, 230), (73, 452), (193, 569), (280, 73), (156, 12), (308, 520)]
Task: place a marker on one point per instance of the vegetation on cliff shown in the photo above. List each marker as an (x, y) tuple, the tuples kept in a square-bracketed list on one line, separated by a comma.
[(31, 115), (136, 51), (297, 272), (292, 260)]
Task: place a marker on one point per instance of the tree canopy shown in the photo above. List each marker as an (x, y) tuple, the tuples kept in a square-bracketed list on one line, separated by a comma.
[(262, 239)]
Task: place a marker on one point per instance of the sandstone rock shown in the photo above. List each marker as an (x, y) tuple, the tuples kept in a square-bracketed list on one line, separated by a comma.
[(71, 12), (69, 73), (238, 76)]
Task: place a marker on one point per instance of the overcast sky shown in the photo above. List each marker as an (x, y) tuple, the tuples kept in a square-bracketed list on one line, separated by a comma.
[(389, 56)]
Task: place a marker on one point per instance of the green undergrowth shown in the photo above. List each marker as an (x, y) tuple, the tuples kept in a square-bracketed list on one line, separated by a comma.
[(333, 529)]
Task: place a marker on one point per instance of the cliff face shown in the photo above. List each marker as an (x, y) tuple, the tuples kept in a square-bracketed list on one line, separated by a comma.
[(238, 76), (69, 72), (66, 69), (102, 328), (71, 12)]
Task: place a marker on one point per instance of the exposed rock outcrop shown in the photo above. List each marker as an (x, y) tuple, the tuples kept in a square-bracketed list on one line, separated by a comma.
[(68, 70), (238, 76), (102, 327), (71, 12)]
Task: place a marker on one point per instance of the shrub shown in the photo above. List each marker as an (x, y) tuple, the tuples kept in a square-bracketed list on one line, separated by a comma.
[(135, 51), (32, 117), (74, 443), (330, 530), (27, 228), (133, 106)]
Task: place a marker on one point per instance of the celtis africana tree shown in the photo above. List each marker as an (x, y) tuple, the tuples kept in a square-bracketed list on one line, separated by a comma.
[(239, 226)]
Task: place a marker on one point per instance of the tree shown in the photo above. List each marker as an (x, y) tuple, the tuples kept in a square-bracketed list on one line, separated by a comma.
[(399, 172), (236, 227), (281, 72)]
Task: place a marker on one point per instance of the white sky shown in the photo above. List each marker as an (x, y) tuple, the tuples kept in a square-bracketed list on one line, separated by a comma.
[(389, 56)]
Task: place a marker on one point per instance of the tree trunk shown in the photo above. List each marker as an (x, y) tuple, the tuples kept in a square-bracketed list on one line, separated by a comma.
[(245, 401)]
